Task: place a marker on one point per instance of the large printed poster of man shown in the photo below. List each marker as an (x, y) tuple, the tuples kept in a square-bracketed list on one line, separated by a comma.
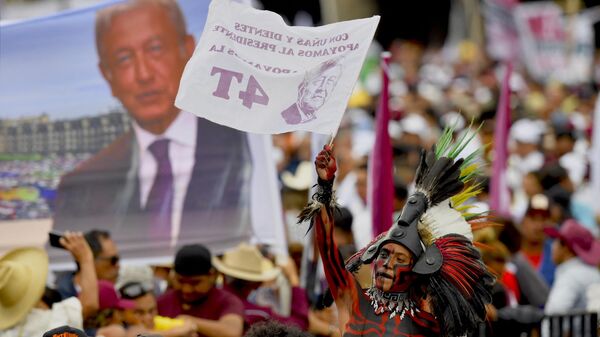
[(154, 176)]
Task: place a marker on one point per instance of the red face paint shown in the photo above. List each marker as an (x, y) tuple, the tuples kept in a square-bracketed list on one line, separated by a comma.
[(389, 273), (403, 278)]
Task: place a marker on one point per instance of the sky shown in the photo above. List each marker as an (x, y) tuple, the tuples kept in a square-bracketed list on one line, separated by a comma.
[(49, 64)]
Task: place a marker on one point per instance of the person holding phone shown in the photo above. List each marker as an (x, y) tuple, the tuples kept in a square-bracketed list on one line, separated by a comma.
[(105, 261)]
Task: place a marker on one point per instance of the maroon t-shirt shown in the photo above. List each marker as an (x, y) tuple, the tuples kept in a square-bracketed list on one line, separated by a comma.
[(217, 304), (298, 315)]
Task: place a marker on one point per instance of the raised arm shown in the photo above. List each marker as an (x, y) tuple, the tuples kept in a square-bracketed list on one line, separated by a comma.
[(79, 248), (230, 325), (341, 282)]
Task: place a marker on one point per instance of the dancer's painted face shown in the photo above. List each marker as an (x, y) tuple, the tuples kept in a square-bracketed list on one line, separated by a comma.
[(393, 268)]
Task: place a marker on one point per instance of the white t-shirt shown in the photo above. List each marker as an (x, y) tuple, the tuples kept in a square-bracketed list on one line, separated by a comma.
[(38, 321)]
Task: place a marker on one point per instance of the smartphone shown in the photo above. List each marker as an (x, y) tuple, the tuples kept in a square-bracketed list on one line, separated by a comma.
[(54, 239)]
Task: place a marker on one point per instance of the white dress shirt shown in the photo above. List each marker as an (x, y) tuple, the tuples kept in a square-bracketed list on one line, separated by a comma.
[(182, 134)]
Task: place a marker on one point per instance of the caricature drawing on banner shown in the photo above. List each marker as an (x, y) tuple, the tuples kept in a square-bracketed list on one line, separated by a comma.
[(313, 91)]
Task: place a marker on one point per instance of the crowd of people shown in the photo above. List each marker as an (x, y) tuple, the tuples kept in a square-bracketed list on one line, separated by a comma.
[(544, 253), (197, 295), (28, 185), (548, 172)]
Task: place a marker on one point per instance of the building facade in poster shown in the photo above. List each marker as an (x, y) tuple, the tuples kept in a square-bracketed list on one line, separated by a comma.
[(45, 136)]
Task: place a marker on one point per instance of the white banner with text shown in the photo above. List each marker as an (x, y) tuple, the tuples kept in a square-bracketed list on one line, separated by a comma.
[(254, 73)]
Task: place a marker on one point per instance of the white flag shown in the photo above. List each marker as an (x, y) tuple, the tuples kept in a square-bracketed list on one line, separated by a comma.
[(254, 73)]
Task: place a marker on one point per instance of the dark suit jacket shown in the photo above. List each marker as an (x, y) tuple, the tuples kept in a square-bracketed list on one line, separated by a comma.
[(104, 193), (291, 115)]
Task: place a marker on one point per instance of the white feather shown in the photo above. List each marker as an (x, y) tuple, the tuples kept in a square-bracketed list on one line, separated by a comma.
[(442, 220)]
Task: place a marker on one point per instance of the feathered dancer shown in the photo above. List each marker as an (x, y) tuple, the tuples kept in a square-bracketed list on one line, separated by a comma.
[(427, 277)]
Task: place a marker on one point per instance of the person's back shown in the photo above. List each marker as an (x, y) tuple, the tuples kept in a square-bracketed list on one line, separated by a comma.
[(532, 286), (577, 254), (573, 278)]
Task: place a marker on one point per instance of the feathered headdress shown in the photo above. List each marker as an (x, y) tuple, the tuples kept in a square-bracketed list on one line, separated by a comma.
[(434, 226)]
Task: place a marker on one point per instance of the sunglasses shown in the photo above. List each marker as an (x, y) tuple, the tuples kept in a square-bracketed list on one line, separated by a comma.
[(113, 260), (133, 290)]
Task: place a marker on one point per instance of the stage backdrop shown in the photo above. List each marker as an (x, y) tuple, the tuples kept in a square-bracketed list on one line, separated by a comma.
[(72, 159)]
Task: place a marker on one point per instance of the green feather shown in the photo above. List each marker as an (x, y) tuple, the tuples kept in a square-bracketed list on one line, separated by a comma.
[(464, 141), (471, 216), (444, 142)]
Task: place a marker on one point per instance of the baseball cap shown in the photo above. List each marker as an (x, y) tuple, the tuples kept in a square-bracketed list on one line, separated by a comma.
[(65, 331), (193, 260), (579, 239), (134, 290), (539, 204), (109, 299), (129, 274)]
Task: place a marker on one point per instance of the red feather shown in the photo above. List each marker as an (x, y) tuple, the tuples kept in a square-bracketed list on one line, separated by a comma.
[(462, 263)]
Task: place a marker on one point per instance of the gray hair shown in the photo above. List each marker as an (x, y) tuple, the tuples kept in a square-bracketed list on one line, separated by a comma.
[(105, 16), (320, 69)]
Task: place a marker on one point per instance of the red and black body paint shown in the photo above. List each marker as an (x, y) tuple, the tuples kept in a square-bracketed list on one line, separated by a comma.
[(401, 278), (446, 276), (364, 321), (339, 279)]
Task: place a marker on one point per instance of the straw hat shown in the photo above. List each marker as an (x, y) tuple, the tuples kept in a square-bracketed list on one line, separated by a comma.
[(245, 262), (302, 179), (23, 274)]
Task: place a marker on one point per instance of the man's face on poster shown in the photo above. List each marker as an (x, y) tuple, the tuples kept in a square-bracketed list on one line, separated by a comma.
[(315, 89), (142, 57)]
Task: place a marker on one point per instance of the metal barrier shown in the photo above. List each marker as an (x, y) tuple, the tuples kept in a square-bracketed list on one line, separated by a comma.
[(583, 324)]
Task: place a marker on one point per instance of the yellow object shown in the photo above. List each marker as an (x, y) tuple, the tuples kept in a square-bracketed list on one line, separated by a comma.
[(162, 323), (22, 282), (569, 104), (468, 51), (359, 99)]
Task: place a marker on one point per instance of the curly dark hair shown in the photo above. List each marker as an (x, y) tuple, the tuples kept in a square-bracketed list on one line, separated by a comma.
[(273, 328)]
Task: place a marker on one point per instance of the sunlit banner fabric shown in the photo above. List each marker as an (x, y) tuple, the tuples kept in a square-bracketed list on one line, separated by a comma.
[(254, 73)]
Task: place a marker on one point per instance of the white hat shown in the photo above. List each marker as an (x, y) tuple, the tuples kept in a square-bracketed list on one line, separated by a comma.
[(414, 124), (527, 131), (453, 119), (140, 274), (302, 179)]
